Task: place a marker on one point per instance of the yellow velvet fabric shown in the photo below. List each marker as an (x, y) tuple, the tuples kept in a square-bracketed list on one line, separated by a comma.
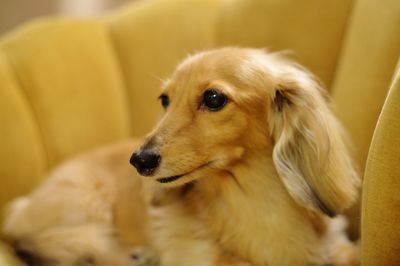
[(381, 192), (6, 257), (150, 38), (67, 85), (22, 154), (366, 66), (367, 63), (69, 76), (313, 30)]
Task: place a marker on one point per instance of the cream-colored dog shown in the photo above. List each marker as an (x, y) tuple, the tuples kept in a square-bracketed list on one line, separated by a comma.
[(248, 166)]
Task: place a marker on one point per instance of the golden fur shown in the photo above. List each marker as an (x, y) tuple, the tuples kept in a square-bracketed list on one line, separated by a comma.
[(262, 177)]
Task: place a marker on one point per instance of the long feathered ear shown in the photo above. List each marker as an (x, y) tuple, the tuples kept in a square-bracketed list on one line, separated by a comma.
[(310, 154)]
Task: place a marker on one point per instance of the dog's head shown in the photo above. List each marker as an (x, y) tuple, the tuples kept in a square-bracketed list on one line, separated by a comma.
[(225, 105)]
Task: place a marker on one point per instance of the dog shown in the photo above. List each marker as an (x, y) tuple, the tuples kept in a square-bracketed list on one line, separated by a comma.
[(247, 166)]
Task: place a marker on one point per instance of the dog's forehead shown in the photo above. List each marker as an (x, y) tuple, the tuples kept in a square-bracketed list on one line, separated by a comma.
[(226, 64), (222, 61)]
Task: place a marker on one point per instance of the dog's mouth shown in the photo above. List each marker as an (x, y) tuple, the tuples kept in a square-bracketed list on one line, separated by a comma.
[(170, 179)]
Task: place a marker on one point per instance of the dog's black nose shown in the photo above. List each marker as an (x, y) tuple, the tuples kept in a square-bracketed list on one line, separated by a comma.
[(145, 161)]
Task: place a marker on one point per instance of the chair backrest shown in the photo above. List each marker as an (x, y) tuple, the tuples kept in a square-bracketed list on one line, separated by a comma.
[(151, 37), (61, 93)]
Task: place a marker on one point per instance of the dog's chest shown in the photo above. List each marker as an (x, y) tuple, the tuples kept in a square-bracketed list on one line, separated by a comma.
[(263, 229)]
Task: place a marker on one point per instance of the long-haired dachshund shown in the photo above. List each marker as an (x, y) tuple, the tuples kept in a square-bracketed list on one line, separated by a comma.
[(248, 166)]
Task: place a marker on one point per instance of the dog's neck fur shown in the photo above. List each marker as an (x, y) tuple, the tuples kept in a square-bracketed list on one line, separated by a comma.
[(253, 196)]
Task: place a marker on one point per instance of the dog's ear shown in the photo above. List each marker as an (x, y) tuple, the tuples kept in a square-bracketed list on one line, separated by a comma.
[(310, 154)]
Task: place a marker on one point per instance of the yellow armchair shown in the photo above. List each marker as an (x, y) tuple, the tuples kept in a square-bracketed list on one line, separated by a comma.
[(68, 85)]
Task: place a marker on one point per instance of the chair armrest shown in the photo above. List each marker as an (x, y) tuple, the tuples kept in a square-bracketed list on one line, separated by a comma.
[(381, 190)]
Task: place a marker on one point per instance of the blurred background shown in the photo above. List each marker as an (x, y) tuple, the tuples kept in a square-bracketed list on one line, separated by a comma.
[(15, 12)]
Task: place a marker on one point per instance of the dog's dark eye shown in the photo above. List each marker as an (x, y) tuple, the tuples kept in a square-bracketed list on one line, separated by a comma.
[(214, 100), (164, 100)]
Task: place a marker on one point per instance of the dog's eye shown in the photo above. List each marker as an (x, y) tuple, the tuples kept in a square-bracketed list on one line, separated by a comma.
[(214, 100), (164, 100)]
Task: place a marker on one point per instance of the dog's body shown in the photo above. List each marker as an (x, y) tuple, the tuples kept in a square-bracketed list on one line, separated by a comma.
[(250, 164), (76, 214)]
